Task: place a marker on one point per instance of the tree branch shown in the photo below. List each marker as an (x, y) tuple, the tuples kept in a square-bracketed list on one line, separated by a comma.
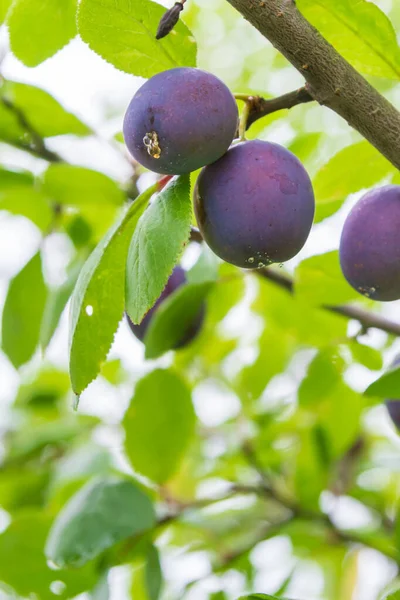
[(37, 147), (331, 80), (260, 107), (367, 319)]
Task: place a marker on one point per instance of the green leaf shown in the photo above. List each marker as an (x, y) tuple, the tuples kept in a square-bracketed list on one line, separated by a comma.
[(67, 184), (102, 590), (101, 514), (4, 7), (360, 31), (319, 280), (205, 268), (11, 130), (341, 432), (153, 573), (55, 305), (156, 246), (22, 313), (97, 304), (387, 386), (174, 317), (28, 202), (13, 179), (354, 168), (23, 563), (394, 595), (48, 386), (367, 356), (39, 28), (43, 113), (323, 374), (159, 424), (123, 33)]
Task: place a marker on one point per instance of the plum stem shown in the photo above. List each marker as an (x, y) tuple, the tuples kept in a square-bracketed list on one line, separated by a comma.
[(261, 107), (243, 119), (331, 80)]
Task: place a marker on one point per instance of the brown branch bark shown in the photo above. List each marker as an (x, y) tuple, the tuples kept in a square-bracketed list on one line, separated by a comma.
[(331, 80)]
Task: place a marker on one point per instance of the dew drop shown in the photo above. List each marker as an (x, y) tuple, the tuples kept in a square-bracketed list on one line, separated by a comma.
[(89, 310), (251, 259), (58, 587), (52, 565), (261, 265)]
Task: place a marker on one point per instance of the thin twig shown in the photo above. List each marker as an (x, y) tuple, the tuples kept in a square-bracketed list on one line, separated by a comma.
[(368, 320), (261, 107), (37, 147), (297, 511)]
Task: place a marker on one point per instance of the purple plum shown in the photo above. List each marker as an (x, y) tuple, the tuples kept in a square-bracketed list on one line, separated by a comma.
[(177, 278), (255, 205), (370, 244), (180, 120), (393, 405)]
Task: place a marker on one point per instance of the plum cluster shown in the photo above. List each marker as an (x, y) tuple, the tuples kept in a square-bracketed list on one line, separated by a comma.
[(253, 200)]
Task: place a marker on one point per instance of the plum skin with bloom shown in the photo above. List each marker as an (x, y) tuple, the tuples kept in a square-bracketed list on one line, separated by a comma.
[(176, 280), (370, 244), (180, 120), (255, 205)]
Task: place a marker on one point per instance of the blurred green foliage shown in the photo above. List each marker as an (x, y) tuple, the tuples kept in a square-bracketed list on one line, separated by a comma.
[(258, 432)]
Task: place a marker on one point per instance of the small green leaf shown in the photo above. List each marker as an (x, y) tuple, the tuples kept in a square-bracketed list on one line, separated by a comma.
[(360, 31), (153, 573), (205, 269), (97, 304), (123, 33), (55, 305), (156, 246), (367, 356), (354, 168), (23, 563), (101, 514), (319, 280), (67, 184), (22, 313), (39, 28), (174, 318), (159, 424), (323, 374), (43, 113), (387, 386)]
